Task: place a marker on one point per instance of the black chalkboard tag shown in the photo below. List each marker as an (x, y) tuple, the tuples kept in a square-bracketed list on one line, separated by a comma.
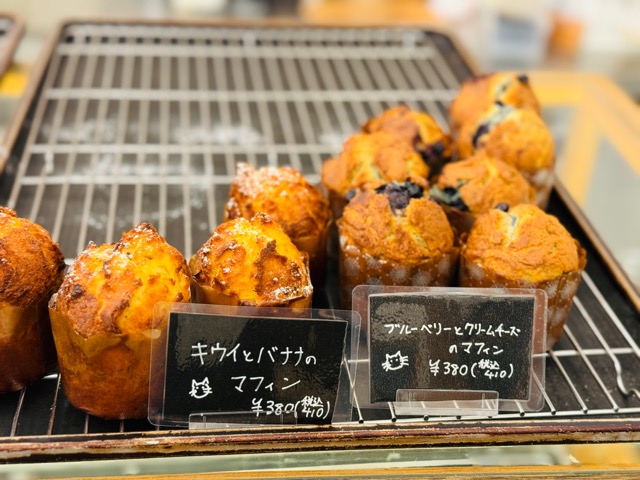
[(247, 369), (455, 340)]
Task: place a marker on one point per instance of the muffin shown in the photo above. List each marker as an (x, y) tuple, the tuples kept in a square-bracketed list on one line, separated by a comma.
[(473, 186), (369, 160), (291, 201), (478, 93), (395, 235), (419, 130), (31, 269), (102, 320), (252, 263), (525, 247), (515, 136)]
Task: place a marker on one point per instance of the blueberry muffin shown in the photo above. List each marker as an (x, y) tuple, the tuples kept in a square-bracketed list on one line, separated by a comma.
[(524, 247), (419, 130), (102, 319), (31, 269), (518, 137), (395, 235), (473, 186), (478, 93), (369, 160)]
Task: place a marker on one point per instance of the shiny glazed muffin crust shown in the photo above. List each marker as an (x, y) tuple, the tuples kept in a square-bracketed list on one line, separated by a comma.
[(31, 263), (31, 268), (254, 262), (112, 288)]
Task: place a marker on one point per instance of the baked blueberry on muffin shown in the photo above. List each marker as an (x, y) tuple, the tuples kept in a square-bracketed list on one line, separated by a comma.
[(102, 320), (395, 235), (524, 247), (419, 130), (31, 269), (369, 160), (252, 263), (291, 201), (478, 93), (473, 186), (515, 136)]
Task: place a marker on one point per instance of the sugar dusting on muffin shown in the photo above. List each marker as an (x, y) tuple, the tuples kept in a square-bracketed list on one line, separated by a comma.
[(254, 262)]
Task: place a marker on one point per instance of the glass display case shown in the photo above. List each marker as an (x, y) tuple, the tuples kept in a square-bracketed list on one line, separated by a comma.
[(131, 121)]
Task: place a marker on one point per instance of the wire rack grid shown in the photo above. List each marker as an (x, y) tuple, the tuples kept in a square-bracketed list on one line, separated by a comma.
[(146, 123)]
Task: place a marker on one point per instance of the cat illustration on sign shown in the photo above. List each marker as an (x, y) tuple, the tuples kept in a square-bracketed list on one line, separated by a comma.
[(395, 361), (200, 389)]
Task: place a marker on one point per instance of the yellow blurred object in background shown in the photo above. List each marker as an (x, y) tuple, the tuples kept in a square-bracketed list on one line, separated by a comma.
[(366, 12), (14, 81)]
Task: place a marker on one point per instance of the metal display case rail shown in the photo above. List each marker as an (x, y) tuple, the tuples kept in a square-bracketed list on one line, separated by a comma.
[(11, 31), (125, 122)]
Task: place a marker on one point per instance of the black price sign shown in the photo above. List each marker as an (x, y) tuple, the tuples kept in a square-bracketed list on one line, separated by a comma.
[(265, 366), (450, 342)]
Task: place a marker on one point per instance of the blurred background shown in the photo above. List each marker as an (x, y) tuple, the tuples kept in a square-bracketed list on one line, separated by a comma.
[(585, 35)]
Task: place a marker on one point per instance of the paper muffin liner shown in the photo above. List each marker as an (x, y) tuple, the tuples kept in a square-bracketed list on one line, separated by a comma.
[(316, 247), (560, 291), (542, 183), (208, 295), (358, 268), (460, 221), (106, 375), (27, 351)]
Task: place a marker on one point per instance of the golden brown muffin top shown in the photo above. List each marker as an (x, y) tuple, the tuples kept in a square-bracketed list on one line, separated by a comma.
[(524, 243), (416, 128), (254, 261), (284, 194), (396, 222), (368, 160), (112, 288), (515, 136), (478, 93), (31, 263), (479, 183)]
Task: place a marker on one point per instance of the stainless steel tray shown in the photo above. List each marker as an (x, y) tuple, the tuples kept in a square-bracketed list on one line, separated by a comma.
[(125, 122)]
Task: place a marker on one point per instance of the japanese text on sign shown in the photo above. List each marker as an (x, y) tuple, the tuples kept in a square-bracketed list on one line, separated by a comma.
[(451, 343), (310, 406), (236, 366)]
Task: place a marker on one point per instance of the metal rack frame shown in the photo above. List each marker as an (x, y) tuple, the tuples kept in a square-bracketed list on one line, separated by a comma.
[(11, 31), (113, 135)]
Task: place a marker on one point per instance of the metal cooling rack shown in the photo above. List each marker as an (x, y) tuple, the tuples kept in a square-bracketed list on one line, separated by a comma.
[(146, 122)]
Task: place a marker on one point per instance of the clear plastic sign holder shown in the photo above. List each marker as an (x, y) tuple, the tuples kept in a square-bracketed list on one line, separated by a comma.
[(474, 348), (446, 402), (188, 328), (207, 420)]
